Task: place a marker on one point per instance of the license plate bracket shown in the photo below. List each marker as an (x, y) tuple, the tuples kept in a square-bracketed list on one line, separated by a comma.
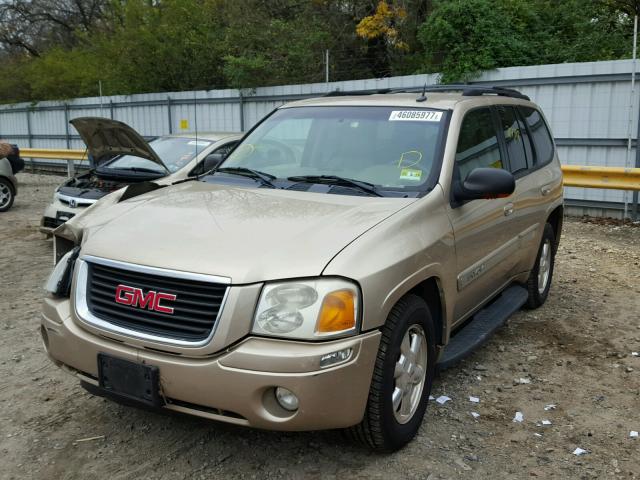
[(129, 380)]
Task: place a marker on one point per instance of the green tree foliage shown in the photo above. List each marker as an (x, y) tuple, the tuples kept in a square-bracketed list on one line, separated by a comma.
[(53, 49), (463, 38)]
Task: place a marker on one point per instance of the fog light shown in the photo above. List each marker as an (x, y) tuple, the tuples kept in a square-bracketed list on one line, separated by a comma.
[(335, 357), (286, 399)]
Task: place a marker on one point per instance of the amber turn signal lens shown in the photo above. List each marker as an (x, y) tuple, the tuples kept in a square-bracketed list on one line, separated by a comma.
[(338, 312)]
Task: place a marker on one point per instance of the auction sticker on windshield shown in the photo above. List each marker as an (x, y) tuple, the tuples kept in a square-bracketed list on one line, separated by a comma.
[(415, 116)]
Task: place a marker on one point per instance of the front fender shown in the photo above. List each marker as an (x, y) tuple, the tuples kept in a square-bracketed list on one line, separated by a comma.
[(397, 255)]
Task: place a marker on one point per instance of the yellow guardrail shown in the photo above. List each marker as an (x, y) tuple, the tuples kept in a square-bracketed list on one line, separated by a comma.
[(618, 178), (53, 153)]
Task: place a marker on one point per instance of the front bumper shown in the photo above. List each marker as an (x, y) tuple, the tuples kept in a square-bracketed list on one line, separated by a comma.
[(235, 385)]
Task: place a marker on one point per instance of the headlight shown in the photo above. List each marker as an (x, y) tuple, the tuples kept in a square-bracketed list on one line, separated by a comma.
[(59, 282), (308, 309)]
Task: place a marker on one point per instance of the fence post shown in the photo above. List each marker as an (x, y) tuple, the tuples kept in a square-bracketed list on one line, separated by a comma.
[(111, 109), (634, 207), (71, 169), (241, 104), (28, 113), (169, 115), (29, 136)]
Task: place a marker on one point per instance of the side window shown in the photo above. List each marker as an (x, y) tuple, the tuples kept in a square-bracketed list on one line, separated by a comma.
[(513, 137), (528, 142), (542, 141), (477, 143)]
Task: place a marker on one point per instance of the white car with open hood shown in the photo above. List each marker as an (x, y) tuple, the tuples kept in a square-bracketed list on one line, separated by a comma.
[(121, 156)]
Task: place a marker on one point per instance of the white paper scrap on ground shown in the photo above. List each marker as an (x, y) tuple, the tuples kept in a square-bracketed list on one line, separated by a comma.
[(442, 399), (474, 399), (579, 451), (546, 422), (551, 406), (633, 433), (431, 397), (519, 417), (538, 434), (635, 354), (524, 381), (477, 415)]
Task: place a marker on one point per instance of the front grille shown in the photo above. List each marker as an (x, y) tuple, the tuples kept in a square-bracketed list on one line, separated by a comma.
[(196, 305), (78, 203)]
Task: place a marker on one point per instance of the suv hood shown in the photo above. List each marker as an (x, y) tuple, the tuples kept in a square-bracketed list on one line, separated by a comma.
[(106, 138), (248, 235)]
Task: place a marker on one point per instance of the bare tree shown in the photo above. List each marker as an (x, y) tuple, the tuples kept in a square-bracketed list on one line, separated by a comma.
[(33, 25)]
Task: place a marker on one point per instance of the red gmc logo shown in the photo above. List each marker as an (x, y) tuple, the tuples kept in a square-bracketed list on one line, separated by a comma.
[(135, 297)]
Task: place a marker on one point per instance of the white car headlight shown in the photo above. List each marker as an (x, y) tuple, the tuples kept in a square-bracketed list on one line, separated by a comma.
[(59, 282), (308, 309)]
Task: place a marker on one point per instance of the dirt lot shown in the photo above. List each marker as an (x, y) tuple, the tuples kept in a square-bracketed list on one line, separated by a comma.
[(575, 352)]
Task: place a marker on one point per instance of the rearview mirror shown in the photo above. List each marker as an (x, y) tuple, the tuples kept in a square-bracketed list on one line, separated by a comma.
[(485, 183), (212, 160)]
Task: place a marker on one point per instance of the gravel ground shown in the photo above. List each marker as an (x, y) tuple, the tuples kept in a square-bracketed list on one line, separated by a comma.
[(574, 352)]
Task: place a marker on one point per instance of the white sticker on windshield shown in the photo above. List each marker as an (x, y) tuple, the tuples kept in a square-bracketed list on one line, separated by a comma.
[(198, 143), (415, 116)]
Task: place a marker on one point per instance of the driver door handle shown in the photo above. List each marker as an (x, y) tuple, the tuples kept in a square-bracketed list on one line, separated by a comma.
[(508, 209)]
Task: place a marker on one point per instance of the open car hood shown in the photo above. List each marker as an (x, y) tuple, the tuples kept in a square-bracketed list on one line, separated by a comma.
[(106, 138)]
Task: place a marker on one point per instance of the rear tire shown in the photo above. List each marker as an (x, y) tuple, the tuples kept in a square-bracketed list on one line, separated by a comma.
[(402, 378), (6, 195), (539, 281)]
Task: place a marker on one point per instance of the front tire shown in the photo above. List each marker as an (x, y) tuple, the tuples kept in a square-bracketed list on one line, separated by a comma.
[(6, 195), (402, 378), (539, 281)]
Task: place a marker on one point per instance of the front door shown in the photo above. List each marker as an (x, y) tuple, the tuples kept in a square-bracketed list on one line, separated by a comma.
[(486, 244)]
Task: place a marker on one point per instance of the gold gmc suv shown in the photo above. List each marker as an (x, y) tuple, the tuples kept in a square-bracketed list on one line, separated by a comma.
[(346, 249)]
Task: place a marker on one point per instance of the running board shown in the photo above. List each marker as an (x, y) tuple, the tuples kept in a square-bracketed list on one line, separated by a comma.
[(483, 325)]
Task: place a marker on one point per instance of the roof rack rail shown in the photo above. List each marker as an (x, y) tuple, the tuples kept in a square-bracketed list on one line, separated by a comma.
[(477, 90), (467, 91), (348, 93)]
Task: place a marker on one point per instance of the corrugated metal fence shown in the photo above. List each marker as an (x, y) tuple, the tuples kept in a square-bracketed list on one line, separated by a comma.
[(589, 106)]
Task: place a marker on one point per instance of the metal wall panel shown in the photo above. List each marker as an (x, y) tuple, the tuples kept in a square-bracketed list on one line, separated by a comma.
[(588, 106)]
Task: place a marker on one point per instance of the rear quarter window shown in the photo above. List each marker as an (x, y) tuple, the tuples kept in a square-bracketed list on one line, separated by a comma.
[(542, 141)]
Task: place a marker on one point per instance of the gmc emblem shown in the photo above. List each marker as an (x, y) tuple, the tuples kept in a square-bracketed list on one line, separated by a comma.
[(135, 297)]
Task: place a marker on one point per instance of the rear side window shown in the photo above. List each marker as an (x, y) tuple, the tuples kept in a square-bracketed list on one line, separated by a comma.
[(514, 138), (478, 143), (542, 141)]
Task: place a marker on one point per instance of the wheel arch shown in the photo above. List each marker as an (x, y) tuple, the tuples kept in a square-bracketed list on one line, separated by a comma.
[(555, 218), (11, 184), (430, 290)]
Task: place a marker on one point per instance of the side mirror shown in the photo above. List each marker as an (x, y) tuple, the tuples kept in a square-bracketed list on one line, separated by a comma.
[(485, 183), (212, 160)]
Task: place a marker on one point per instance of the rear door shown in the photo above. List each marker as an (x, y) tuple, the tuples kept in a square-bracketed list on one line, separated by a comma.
[(536, 183), (485, 238)]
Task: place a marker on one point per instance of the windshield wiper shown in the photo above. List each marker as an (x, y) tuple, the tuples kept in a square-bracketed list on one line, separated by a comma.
[(366, 187), (265, 178)]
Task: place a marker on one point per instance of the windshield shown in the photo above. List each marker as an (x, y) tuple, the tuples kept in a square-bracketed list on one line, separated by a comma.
[(389, 147), (173, 151)]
